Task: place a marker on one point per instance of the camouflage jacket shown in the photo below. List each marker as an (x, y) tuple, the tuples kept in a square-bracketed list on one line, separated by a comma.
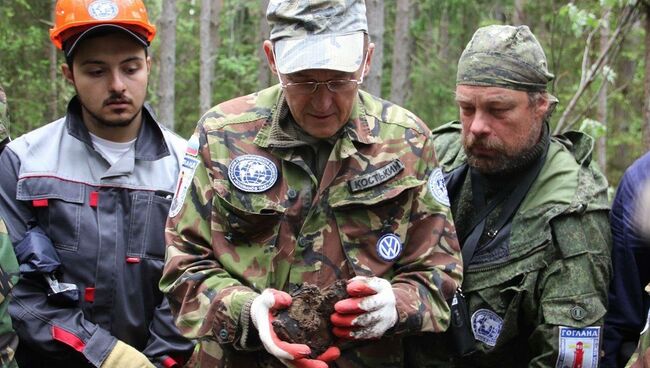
[(8, 278), (226, 244), (553, 280)]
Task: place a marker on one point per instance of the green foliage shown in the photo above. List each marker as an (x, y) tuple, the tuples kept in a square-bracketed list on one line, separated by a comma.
[(594, 128)]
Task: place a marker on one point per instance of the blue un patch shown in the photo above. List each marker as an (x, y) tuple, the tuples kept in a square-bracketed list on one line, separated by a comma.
[(389, 247), (252, 173)]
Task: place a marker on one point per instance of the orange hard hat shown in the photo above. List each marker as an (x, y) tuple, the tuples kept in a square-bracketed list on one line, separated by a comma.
[(75, 16)]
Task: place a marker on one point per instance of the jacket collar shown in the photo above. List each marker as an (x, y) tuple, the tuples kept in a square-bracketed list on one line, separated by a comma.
[(357, 128), (150, 144)]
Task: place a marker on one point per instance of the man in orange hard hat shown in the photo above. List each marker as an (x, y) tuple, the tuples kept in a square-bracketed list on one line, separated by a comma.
[(85, 200)]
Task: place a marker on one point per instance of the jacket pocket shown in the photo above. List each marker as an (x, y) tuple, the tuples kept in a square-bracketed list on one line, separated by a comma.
[(58, 205), (364, 218), (147, 224), (249, 218)]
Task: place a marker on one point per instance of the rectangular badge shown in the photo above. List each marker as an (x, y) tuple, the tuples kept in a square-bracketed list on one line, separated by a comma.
[(578, 347), (376, 177)]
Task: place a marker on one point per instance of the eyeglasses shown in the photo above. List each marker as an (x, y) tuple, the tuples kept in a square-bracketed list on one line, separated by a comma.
[(333, 85)]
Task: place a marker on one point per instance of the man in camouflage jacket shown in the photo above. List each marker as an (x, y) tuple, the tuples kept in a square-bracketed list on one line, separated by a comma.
[(310, 181), (536, 284)]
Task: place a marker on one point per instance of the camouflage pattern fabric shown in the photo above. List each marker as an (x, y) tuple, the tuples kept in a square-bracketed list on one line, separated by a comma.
[(556, 272), (504, 56), (226, 245), (297, 19), (8, 278), (3, 116)]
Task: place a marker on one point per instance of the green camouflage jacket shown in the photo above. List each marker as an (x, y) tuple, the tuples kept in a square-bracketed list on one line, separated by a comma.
[(248, 216), (527, 308), (8, 278)]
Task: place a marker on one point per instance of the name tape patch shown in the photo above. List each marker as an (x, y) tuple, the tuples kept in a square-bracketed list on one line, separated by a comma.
[(252, 173), (486, 326), (381, 175), (578, 347)]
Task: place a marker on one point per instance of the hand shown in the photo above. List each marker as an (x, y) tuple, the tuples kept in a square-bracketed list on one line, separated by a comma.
[(292, 355), (368, 313), (126, 356)]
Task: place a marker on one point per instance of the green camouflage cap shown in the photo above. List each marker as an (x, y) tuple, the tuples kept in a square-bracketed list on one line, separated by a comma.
[(317, 34), (504, 56)]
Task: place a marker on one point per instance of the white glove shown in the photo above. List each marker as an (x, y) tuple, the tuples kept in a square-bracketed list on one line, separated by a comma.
[(291, 355), (368, 313)]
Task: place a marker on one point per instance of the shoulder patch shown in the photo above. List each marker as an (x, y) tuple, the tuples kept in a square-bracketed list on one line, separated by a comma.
[(183, 183), (486, 326), (578, 347), (437, 187)]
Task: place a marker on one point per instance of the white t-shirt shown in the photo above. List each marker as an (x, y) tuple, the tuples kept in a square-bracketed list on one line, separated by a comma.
[(111, 151)]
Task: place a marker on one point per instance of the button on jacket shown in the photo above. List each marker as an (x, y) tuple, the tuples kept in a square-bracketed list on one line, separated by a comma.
[(106, 223)]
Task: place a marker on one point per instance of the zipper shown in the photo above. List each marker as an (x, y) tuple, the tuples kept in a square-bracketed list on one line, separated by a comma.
[(507, 262)]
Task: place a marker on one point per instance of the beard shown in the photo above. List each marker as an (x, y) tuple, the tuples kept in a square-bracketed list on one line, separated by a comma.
[(502, 158), (111, 123)]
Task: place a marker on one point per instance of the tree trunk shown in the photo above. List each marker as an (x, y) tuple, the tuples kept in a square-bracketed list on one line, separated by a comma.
[(375, 15), (54, 74), (646, 81), (601, 143), (402, 53), (263, 71), (443, 36), (209, 42), (166, 95), (519, 16)]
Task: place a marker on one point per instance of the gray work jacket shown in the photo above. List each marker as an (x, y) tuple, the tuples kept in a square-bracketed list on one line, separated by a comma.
[(107, 225)]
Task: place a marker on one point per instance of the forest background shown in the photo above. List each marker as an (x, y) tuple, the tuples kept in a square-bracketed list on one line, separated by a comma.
[(209, 51)]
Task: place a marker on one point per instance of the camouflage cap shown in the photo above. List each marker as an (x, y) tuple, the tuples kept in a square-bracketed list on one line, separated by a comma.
[(504, 56), (317, 34)]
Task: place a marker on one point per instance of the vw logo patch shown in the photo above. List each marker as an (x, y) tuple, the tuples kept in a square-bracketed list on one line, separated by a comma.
[(389, 247), (437, 187), (103, 9), (252, 173), (486, 326)]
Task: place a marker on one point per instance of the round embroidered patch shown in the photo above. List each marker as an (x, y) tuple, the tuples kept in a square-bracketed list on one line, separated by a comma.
[(486, 326), (437, 187), (252, 173), (103, 9), (389, 247)]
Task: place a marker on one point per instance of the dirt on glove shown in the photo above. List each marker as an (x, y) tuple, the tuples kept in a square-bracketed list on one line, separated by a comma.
[(307, 320)]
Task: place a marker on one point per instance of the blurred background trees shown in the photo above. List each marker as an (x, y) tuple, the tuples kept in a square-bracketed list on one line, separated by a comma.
[(208, 51)]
